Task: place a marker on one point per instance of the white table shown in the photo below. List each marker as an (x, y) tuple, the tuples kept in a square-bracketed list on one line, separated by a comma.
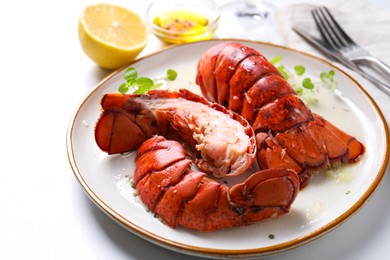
[(45, 214)]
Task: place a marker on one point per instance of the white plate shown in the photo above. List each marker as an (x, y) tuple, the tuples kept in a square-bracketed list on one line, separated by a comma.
[(323, 205)]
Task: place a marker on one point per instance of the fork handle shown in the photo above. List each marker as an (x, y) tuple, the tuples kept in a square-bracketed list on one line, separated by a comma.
[(350, 64), (377, 64), (381, 85)]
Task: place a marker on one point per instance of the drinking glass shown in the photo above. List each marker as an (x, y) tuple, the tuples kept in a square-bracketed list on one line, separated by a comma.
[(248, 19)]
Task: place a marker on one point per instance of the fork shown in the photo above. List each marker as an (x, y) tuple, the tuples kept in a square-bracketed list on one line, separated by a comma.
[(338, 41)]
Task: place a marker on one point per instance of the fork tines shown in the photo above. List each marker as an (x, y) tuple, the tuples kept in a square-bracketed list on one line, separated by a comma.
[(330, 30)]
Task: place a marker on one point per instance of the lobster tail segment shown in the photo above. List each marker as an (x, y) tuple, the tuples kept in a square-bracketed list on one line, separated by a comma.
[(288, 134), (182, 197)]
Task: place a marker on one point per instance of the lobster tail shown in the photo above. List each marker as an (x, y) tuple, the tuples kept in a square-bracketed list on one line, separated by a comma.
[(190, 199), (288, 134), (222, 142)]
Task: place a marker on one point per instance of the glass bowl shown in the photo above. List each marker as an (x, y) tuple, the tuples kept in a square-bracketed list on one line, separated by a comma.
[(182, 21)]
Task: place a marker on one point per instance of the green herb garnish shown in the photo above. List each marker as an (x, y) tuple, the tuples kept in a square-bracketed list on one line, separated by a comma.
[(283, 71), (327, 78), (130, 75), (306, 83), (299, 91), (305, 87), (299, 70), (123, 88), (144, 85), (171, 74), (141, 85), (276, 59)]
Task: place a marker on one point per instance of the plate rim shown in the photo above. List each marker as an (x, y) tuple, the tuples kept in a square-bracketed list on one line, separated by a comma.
[(225, 253)]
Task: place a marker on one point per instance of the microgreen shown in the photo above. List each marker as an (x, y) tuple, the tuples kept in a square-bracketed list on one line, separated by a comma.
[(327, 78), (306, 83), (144, 85), (276, 59), (130, 74), (299, 91), (123, 88), (327, 75), (299, 70), (171, 74), (141, 85), (304, 86), (283, 71)]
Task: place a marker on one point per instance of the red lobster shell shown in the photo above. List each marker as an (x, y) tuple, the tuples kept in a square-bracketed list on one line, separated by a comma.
[(182, 197), (224, 142), (288, 134)]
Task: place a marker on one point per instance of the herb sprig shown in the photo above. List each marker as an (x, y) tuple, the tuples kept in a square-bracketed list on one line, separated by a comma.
[(304, 86), (328, 79), (141, 85)]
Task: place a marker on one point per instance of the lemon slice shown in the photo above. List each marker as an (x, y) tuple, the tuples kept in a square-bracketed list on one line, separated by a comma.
[(112, 36)]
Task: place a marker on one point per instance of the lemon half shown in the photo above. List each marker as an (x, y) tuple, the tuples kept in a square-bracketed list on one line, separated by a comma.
[(112, 36)]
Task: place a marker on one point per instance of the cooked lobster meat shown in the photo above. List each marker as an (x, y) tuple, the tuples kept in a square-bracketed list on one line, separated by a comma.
[(223, 143), (288, 134), (181, 197)]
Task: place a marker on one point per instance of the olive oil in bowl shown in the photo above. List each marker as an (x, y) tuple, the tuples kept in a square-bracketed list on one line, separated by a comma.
[(182, 26), (183, 22)]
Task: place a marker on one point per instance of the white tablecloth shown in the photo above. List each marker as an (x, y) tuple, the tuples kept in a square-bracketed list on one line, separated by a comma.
[(45, 214)]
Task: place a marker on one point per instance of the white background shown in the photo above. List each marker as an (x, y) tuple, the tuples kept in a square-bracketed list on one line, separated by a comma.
[(44, 213)]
